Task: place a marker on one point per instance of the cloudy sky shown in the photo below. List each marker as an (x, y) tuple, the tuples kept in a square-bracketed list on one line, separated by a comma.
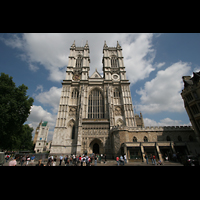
[(155, 64)]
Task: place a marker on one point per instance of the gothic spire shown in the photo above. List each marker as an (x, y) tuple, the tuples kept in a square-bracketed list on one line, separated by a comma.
[(105, 45), (118, 46)]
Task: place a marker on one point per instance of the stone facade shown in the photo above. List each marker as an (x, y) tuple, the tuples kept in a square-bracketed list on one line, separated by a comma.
[(42, 134), (96, 113), (191, 98)]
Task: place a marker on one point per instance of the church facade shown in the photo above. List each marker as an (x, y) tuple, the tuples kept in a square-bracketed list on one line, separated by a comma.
[(96, 113)]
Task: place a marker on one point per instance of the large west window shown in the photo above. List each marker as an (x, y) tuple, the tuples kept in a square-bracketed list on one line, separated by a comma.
[(95, 105)]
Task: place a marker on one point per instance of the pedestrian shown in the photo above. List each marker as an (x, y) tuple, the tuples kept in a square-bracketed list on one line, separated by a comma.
[(122, 159), (66, 160), (32, 159), (54, 161), (125, 158), (146, 157), (151, 156), (13, 162), (22, 160), (84, 161), (154, 159), (117, 159), (40, 163), (95, 160), (61, 158), (27, 160)]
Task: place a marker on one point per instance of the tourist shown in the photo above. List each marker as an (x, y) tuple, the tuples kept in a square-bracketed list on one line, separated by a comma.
[(154, 159), (23, 160), (122, 159), (27, 160), (54, 161), (49, 161), (84, 160), (66, 160), (125, 158), (95, 160), (61, 158), (32, 159), (13, 162), (40, 163), (146, 157), (117, 159), (105, 158)]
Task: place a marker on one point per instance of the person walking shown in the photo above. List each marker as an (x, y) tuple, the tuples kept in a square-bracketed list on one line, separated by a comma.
[(95, 160), (125, 159), (146, 157), (61, 158), (117, 159), (32, 159), (154, 159), (54, 160)]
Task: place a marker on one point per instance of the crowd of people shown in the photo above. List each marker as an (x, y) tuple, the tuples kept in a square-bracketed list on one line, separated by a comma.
[(75, 160)]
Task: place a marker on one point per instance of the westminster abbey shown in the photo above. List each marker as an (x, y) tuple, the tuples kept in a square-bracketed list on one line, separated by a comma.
[(96, 113)]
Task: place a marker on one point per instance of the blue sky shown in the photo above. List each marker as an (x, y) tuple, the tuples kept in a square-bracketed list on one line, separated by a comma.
[(155, 64)]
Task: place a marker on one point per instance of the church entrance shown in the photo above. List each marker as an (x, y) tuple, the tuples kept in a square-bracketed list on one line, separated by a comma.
[(96, 148)]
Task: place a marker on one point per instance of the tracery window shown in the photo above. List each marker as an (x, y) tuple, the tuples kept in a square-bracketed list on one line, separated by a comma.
[(134, 139), (114, 61), (79, 62), (95, 105), (116, 93), (145, 139), (74, 94)]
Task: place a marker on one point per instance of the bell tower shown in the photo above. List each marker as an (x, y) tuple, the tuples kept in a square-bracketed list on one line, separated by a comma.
[(78, 65), (113, 63)]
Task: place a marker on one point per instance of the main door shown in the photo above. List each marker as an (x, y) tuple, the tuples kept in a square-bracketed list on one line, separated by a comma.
[(96, 148)]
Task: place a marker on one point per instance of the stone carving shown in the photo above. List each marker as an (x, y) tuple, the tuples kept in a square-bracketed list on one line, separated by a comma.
[(120, 122), (72, 111), (118, 111)]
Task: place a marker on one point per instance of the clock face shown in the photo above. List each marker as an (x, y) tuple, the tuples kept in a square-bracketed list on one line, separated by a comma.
[(115, 76), (76, 77)]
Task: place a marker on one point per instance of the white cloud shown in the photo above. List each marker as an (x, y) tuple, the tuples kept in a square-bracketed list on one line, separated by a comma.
[(163, 92), (51, 97), (159, 65), (52, 50), (164, 122), (39, 87)]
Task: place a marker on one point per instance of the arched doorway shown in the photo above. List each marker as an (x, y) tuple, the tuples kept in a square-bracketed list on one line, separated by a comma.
[(96, 148)]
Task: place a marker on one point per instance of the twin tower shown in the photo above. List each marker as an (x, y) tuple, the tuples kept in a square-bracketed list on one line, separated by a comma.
[(90, 107)]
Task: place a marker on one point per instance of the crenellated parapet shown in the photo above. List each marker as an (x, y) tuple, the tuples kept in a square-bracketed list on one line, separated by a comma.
[(153, 128)]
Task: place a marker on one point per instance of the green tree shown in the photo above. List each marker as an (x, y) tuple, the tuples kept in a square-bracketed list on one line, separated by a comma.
[(26, 142), (14, 110)]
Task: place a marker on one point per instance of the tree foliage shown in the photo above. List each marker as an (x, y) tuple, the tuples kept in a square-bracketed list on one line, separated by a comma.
[(14, 110)]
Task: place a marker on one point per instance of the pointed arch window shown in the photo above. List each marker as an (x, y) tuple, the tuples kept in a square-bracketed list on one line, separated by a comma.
[(74, 94), (134, 139), (95, 105), (145, 139), (79, 62), (114, 62), (116, 93)]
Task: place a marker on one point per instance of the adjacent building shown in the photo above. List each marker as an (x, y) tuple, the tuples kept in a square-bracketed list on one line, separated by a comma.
[(41, 135), (191, 98)]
